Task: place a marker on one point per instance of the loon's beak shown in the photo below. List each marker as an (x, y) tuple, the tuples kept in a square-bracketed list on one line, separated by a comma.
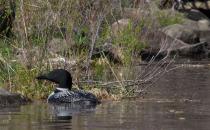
[(41, 77), (47, 77)]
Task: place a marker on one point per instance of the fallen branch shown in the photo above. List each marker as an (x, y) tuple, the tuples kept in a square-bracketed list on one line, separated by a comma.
[(115, 83)]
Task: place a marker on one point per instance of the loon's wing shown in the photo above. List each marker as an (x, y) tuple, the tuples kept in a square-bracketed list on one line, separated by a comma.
[(61, 97), (73, 96), (85, 96)]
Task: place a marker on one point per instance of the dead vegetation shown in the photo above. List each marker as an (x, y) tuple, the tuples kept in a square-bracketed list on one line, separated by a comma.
[(79, 36)]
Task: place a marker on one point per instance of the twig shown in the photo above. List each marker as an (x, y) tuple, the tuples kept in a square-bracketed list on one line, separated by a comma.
[(121, 83), (102, 84), (23, 18), (100, 19)]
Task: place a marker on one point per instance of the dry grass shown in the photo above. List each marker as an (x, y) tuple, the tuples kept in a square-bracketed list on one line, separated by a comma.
[(76, 27)]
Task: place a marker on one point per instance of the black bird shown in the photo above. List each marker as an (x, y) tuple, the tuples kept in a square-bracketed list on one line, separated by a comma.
[(63, 92)]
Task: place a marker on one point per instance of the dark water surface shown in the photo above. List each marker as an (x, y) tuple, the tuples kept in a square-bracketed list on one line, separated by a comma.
[(179, 101)]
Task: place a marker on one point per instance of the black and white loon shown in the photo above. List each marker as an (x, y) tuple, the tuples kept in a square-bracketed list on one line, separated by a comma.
[(63, 93)]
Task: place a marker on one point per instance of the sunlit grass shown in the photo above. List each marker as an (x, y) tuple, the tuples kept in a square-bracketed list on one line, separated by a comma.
[(39, 22)]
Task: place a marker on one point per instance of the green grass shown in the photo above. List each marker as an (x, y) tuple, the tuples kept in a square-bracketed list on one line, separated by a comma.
[(41, 24), (25, 83), (166, 18), (129, 40)]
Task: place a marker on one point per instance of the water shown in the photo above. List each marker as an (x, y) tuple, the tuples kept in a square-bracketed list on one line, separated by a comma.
[(178, 101)]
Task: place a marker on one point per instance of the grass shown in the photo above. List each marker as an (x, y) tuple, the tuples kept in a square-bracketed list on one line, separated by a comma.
[(25, 83), (37, 23), (167, 18), (130, 41)]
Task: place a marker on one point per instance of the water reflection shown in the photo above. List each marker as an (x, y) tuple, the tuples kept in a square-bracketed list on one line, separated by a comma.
[(179, 101), (65, 111), (41, 116)]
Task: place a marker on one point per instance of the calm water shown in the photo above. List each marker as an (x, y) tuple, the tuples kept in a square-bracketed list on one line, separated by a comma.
[(179, 101)]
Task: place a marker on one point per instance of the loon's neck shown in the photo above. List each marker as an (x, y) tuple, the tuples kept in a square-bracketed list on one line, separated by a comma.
[(61, 89)]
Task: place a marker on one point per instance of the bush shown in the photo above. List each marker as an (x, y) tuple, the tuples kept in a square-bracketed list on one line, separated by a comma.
[(166, 18)]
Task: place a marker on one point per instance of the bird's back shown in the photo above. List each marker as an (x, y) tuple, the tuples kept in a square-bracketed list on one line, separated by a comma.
[(76, 96)]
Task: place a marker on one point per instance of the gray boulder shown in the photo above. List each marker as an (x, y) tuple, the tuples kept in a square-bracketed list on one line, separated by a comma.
[(119, 26), (161, 45), (8, 99), (194, 31), (112, 53), (182, 32), (194, 14)]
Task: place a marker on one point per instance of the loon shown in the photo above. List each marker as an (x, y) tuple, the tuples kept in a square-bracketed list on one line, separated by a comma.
[(63, 92)]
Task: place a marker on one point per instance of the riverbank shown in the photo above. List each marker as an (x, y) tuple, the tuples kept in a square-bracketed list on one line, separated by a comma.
[(99, 43), (12, 99), (180, 100)]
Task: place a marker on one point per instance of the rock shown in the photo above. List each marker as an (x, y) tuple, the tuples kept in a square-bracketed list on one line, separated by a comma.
[(161, 45), (195, 4), (181, 32), (205, 11), (190, 31), (112, 53), (204, 25), (194, 51), (195, 29), (194, 14), (119, 26), (204, 36), (8, 99), (201, 5), (188, 5)]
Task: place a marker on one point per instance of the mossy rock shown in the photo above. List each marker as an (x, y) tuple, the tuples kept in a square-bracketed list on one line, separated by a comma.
[(8, 99)]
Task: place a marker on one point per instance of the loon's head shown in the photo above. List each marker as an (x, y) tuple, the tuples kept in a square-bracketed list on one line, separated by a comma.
[(59, 76)]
